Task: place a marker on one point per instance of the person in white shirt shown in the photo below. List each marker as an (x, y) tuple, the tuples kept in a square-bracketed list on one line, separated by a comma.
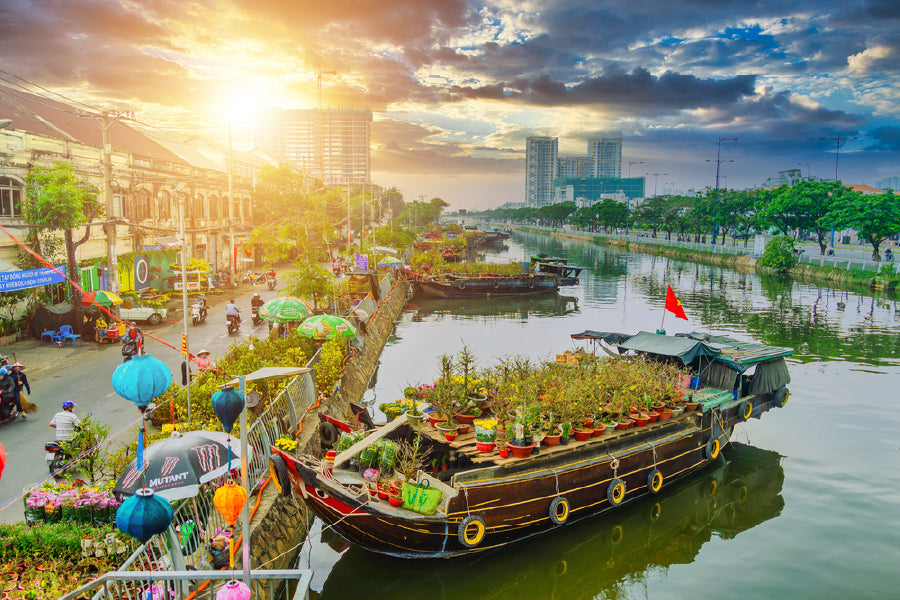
[(65, 422)]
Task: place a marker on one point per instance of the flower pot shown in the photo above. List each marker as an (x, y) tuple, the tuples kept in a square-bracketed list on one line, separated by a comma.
[(563, 441), (415, 419), (464, 428), (551, 440), (434, 419), (478, 399), (450, 435), (582, 435), (464, 419), (653, 416), (624, 423), (642, 420), (504, 452), (382, 495), (521, 451), (689, 406), (665, 415), (598, 429), (587, 421), (485, 446), (396, 501)]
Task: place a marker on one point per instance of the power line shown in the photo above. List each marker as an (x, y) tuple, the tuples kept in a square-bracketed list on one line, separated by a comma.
[(44, 89)]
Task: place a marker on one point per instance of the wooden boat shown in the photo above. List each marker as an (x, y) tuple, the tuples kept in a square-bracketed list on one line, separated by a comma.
[(459, 286), (568, 275), (489, 501)]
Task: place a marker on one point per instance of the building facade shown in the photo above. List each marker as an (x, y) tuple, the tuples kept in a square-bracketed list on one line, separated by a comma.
[(575, 166), (585, 191), (541, 165), (607, 155), (332, 144)]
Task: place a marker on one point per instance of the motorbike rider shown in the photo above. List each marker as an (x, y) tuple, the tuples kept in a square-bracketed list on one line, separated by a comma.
[(21, 381), (65, 422), (256, 301), (272, 276), (132, 342), (8, 395), (201, 302), (232, 312)]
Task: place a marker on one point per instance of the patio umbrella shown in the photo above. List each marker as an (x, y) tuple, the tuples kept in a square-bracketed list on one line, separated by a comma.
[(325, 327), (390, 261), (101, 297), (285, 309), (176, 466)]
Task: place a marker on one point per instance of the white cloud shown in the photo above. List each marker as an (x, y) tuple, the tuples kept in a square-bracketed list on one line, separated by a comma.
[(859, 64)]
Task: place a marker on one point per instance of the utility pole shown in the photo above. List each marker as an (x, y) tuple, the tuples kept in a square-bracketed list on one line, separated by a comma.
[(837, 150), (232, 262), (106, 119), (719, 162)]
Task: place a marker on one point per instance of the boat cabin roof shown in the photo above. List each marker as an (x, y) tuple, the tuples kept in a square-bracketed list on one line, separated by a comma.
[(688, 347)]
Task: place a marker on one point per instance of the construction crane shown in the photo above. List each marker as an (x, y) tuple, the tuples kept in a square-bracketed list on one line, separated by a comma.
[(319, 85)]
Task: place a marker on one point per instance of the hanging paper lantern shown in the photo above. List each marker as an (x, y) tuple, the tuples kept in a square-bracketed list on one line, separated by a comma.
[(227, 404), (144, 514), (233, 590), (141, 379), (229, 500)]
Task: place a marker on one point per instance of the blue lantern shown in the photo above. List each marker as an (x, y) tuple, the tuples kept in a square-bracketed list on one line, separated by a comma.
[(228, 404), (141, 379), (144, 514)]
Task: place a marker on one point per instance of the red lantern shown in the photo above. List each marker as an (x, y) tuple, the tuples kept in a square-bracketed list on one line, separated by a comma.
[(229, 500)]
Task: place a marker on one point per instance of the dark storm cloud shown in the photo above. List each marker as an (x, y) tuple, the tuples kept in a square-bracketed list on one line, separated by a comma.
[(638, 91), (886, 139)]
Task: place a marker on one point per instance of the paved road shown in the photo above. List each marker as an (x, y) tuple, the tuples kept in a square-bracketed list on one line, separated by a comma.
[(83, 375)]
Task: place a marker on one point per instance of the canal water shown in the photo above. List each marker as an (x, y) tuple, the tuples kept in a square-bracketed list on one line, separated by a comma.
[(806, 503)]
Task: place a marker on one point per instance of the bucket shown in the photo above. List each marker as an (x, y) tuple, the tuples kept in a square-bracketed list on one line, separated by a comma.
[(696, 382)]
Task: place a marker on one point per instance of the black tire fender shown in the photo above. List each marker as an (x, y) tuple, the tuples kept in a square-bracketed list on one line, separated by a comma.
[(471, 531), (745, 409), (329, 434), (654, 481), (559, 510), (615, 493), (279, 473), (781, 397)]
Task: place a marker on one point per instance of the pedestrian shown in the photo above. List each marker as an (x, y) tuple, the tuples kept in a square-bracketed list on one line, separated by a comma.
[(8, 389), (21, 381), (65, 422), (203, 361)]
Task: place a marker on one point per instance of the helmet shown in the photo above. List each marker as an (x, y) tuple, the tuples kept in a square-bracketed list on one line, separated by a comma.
[(69, 404), (256, 294), (4, 371)]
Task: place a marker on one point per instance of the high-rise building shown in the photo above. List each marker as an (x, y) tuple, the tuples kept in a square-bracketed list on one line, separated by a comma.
[(331, 144), (607, 155), (540, 170), (575, 166), (888, 183)]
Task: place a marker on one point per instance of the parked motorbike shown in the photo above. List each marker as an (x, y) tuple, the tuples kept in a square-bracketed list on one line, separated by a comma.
[(198, 312), (234, 323)]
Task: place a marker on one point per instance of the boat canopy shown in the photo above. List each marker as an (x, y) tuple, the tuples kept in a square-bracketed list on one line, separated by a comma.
[(685, 349), (606, 336)]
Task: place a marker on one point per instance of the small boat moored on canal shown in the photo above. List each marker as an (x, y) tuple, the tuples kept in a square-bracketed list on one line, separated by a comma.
[(487, 499), (568, 275), (483, 286)]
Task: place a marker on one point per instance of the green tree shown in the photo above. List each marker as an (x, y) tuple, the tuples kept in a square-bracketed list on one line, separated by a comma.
[(60, 200), (804, 206), (875, 217), (309, 280), (556, 213)]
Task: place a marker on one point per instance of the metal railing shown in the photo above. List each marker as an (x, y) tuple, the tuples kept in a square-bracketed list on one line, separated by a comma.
[(838, 262), (276, 584)]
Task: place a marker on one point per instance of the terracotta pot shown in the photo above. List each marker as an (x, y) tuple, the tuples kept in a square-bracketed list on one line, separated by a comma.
[(434, 419), (485, 446), (395, 501), (464, 419), (551, 440), (689, 406), (521, 451), (654, 416), (665, 415), (464, 428), (587, 421), (623, 424), (582, 435), (642, 420), (598, 429), (658, 407)]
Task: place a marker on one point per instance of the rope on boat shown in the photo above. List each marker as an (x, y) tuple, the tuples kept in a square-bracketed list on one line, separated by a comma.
[(556, 477)]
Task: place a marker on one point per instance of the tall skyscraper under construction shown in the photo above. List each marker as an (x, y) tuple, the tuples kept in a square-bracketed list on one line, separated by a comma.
[(541, 166)]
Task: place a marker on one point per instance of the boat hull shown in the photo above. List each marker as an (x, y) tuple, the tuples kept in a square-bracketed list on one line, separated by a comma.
[(488, 287), (517, 499)]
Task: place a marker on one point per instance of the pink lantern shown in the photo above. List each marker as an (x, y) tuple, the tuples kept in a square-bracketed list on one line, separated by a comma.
[(233, 590)]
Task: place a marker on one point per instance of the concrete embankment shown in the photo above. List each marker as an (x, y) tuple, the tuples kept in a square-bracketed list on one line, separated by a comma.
[(851, 280), (281, 524)]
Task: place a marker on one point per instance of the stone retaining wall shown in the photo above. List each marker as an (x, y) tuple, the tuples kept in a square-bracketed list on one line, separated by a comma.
[(281, 523)]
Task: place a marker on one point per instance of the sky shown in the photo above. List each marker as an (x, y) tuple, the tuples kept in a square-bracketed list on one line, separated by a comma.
[(457, 86)]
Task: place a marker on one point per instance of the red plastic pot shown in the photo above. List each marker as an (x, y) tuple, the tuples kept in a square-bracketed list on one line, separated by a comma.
[(395, 501), (521, 451), (486, 446), (582, 435)]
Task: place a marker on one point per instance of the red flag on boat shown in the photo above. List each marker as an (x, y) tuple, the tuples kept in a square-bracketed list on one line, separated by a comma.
[(673, 305)]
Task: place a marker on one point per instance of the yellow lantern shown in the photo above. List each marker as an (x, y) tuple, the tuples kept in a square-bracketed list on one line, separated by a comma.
[(229, 500)]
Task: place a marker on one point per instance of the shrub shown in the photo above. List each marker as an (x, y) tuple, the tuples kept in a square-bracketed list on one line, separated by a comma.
[(330, 365), (779, 254)]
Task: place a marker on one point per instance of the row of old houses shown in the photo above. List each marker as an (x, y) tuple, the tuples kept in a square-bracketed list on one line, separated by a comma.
[(156, 182)]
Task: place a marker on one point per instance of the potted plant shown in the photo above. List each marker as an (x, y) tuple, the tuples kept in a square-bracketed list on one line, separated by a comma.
[(485, 434)]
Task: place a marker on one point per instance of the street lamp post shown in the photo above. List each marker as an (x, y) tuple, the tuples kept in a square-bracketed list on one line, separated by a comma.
[(807, 170), (837, 150), (719, 162)]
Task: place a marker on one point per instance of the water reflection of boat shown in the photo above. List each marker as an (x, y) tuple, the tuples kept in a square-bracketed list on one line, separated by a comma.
[(540, 306), (738, 493)]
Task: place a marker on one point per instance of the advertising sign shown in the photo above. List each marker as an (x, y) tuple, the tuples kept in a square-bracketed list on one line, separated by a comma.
[(362, 261), (22, 280)]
